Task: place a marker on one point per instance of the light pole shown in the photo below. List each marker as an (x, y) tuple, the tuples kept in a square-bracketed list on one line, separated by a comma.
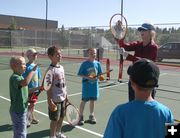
[(46, 25)]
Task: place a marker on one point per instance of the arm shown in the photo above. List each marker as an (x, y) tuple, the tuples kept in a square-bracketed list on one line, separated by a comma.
[(26, 80), (88, 77), (149, 52), (40, 88), (51, 104)]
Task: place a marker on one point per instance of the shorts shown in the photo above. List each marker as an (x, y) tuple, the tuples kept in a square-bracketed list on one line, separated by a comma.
[(59, 113), (89, 99)]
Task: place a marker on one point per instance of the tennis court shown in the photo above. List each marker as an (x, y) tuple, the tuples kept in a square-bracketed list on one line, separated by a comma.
[(112, 93)]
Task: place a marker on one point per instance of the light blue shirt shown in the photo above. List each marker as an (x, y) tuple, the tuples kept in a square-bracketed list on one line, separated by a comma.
[(138, 119), (36, 77), (90, 88)]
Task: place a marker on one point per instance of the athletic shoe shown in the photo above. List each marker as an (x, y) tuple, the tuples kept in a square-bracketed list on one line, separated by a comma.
[(34, 121), (28, 124), (81, 121), (60, 135), (92, 119)]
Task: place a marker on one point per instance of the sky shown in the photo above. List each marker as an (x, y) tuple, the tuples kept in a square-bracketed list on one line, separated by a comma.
[(82, 13)]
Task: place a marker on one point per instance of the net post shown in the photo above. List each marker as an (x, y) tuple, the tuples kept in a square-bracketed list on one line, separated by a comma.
[(107, 69), (22, 54), (120, 71)]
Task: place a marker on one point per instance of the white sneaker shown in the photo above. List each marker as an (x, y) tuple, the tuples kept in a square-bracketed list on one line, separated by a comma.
[(60, 135), (92, 119)]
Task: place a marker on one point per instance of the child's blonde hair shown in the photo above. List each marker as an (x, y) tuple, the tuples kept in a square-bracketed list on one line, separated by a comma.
[(15, 60)]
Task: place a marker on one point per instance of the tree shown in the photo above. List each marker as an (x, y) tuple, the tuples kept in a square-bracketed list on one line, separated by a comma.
[(63, 40), (13, 25)]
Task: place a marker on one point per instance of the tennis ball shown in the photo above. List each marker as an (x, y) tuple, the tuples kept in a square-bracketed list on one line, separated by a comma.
[(54, 108), (101, 78)]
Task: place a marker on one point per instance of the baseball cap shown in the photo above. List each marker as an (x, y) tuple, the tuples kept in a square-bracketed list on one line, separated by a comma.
[(145, 73), (146, 26), (31, 51)]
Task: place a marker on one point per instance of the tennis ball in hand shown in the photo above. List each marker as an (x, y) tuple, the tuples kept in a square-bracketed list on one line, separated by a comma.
[(101, 78), (92, 76), (54, 108)]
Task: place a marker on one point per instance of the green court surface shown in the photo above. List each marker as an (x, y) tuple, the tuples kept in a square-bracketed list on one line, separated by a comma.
[(112, 93)]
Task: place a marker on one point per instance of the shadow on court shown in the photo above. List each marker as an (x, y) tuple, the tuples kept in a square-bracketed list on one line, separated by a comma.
[(6, 127), (38, 134), (67, 128), (45, 133)]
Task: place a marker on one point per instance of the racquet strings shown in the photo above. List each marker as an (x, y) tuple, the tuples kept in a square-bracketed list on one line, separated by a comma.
[(118, 26), (72, 114), (47, 81)]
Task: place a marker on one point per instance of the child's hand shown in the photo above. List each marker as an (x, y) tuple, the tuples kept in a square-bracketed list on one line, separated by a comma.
[(92, 77), (53, 107), (41, 88)]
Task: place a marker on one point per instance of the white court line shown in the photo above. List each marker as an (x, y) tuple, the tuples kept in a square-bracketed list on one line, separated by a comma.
[(75, 94), (5, 98), (162, 74), (78, 127), (81, 128)]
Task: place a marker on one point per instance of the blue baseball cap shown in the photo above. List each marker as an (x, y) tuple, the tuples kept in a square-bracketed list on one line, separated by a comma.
[(146, 26)]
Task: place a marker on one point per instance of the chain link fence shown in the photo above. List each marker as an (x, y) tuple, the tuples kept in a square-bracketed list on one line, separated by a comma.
[(75, 40)]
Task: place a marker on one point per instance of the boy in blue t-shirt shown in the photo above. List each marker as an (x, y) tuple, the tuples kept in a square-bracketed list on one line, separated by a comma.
[(34, 85), (89, 69), (143, 117)]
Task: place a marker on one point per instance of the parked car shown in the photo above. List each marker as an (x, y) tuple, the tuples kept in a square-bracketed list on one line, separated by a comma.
[(169, 50)]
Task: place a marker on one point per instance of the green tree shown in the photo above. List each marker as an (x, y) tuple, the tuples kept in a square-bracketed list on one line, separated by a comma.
[(13, 25), (63, 39)]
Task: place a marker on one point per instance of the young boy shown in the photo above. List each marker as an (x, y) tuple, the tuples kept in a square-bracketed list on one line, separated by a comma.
[(90, 87), (19, 95), (57, 94), (33, 86), (143, 117)]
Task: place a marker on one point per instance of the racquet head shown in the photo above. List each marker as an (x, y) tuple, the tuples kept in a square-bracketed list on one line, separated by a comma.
[(72, 114), (118, 26), (47, 81)]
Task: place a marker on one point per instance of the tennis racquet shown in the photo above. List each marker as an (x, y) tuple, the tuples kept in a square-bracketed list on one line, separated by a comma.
[(103, 73), (46, 85), (71, 113), (118, 26), (47, 80), (178, 121), (96, 76)]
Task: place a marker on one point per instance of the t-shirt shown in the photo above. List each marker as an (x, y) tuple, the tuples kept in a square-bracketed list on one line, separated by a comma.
[(58, 87), (36, 76), (18, 95), (90, 88), (138, 119)]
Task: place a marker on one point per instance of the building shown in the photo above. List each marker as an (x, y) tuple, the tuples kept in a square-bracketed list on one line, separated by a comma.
[(26, 23), (24, 31)]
